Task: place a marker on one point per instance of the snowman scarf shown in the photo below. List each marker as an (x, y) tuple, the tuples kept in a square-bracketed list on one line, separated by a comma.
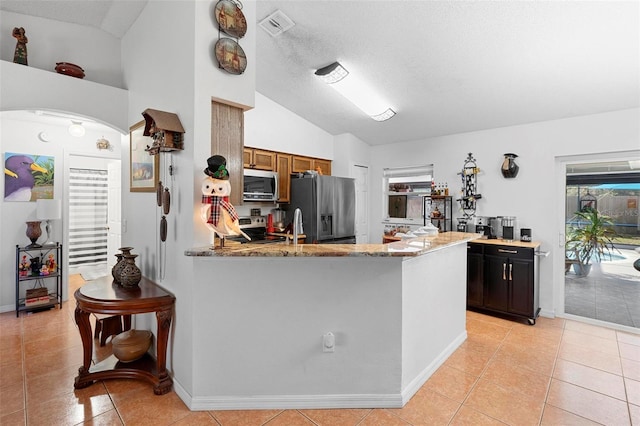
[(218, 203)]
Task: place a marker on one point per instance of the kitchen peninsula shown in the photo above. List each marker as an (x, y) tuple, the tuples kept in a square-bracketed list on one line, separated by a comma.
[(261, 312)]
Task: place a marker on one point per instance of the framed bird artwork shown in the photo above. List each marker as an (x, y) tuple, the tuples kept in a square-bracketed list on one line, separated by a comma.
[(28, 177)]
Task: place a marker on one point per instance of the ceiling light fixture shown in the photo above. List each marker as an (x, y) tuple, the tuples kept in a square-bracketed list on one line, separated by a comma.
[(355, 91), (76, 129)]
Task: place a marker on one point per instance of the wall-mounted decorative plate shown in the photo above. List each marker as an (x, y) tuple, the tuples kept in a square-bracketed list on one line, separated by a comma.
[(230, 18), (230, 56)]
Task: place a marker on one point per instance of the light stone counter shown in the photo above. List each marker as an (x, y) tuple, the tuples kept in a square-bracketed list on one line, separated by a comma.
[(405, 248)]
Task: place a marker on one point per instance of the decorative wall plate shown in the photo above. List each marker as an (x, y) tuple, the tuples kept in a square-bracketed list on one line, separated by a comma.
[(230, 56), (230, 18)]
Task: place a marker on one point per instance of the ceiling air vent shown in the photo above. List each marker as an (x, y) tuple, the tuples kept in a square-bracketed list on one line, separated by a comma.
[(276, 23)]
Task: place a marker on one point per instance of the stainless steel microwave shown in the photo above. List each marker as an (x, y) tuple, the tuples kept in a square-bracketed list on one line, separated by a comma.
[(260, 185)]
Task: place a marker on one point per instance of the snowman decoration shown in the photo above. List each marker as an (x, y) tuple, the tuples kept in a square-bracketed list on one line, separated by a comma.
[(216, 211)]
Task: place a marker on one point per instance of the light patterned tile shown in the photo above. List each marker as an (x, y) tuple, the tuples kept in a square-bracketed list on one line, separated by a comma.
[(427, 408), (554, 416), (599, 360), (498, 403), (593, 330), (487, 329), (469, 417), (585, 403), (382, 418), (468, 360), (632, 339), (342, 417), (70, 408), (629, 351), (451, 382), (244, 417), (590, 378), (630, 368), (14, 419), (634, 411), (144, 407), (110, 418), (11, 374), (289, 418), (11, 399), (590, 342), (198, 418), (515, 379), (633, 391)]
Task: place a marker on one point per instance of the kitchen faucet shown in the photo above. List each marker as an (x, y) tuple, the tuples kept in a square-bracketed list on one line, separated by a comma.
[(297, 225)]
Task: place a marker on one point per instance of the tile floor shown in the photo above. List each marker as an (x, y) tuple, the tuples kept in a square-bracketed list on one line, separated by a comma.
[(557, 372)]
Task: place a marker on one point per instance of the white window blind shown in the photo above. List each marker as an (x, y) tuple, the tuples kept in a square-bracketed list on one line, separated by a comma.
[(87, 217)]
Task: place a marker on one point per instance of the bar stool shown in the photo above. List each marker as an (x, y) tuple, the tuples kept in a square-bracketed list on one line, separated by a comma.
[(107, 326)]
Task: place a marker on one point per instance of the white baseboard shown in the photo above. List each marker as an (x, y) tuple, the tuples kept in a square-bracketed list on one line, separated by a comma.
[(7, 308), (265, 402), (296, 402), (548, 313)]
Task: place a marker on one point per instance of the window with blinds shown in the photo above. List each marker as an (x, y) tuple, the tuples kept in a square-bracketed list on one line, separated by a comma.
[(88, 194)]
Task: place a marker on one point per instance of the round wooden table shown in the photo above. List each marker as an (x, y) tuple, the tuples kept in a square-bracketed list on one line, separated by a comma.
[(104, 296)]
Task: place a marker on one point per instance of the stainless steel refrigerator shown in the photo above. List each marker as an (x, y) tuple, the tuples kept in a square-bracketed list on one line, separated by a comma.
[(328, 205)]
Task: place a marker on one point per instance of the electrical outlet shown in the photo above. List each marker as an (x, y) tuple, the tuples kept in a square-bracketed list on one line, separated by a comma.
[(328, 342)]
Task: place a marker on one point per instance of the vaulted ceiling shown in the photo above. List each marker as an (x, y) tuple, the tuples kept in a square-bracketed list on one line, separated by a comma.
[(445, 67)]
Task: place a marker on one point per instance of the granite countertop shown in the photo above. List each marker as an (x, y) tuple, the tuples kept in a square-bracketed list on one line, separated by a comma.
[(405, 248)]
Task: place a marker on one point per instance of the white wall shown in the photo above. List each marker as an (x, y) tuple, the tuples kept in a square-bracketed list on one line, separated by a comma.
[(531, 195), (348, 151), (273, 127), (50, 42), (170, 66), (21, 136)]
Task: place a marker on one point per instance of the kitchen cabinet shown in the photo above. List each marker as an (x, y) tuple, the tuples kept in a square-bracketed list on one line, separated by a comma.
[(259, 159), (503, 279), (323, 165), (283, 167), (300, 164), (227, 139), (475, 273), (38, 268)]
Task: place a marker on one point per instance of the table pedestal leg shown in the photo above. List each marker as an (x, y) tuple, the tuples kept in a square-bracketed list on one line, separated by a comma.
[(82, 320), (164, 324)]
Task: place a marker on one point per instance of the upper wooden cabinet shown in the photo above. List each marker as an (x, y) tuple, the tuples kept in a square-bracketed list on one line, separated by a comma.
[(283, 163), (300, 164), (259, 159), (323, 165)]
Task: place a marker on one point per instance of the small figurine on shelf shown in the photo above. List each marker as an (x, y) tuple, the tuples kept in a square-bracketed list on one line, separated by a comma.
[(24, 266), (51, 263), (44, 270), (20, 54)]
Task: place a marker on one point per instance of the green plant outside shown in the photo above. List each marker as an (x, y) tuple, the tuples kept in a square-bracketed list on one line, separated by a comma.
[(594, 239)]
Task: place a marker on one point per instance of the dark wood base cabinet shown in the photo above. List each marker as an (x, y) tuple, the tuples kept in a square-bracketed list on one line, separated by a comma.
[(503, 279)]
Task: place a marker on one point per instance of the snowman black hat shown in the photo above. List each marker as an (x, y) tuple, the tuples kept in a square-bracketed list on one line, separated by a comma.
[(217, 167)]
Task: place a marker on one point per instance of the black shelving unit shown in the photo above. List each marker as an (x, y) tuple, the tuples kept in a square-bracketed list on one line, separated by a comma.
[(444, 206), (32, 277)]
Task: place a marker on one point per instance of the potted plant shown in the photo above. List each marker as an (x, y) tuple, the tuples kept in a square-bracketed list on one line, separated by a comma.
[(590, 240)]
